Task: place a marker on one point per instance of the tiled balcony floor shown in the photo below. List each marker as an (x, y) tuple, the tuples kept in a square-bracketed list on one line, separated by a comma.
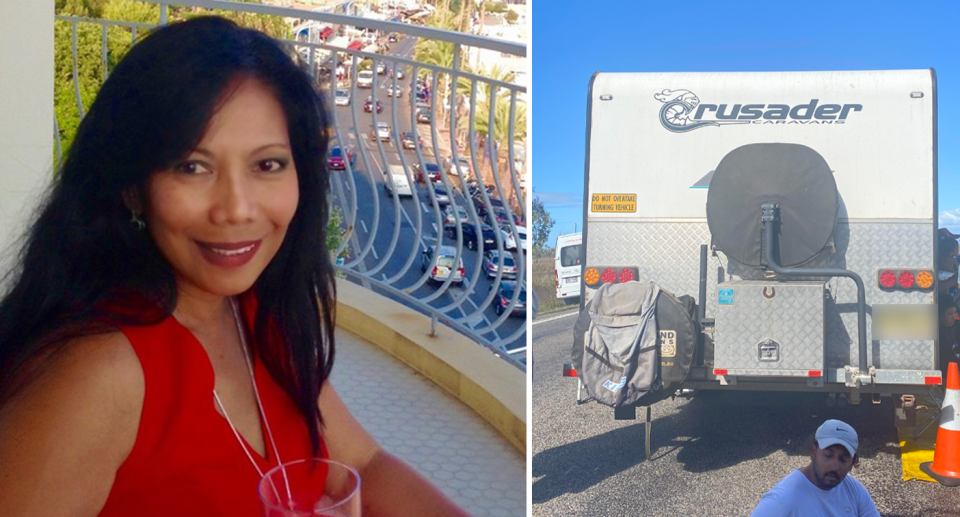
[(432, 431)]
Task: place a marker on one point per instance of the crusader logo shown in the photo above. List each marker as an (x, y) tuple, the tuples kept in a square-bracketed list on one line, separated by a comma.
[(682, 111)]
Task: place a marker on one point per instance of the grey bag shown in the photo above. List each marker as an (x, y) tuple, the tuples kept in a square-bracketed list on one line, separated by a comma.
[(619, 362)]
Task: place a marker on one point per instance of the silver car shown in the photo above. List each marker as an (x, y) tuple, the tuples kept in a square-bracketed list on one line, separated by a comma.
[(491, 264)]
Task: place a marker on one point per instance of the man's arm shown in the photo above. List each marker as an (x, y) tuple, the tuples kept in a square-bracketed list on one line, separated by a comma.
[(388, 486)]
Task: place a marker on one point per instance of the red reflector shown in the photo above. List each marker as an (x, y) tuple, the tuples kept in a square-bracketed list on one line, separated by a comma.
[(609, 276), (888, 278), (905, 279), (719, 372), (813, 373), (935, 381), (569, 370), (626, 275)]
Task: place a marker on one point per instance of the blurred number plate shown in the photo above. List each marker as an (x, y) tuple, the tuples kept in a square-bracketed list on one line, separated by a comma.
[(571, 280), (904, 322)]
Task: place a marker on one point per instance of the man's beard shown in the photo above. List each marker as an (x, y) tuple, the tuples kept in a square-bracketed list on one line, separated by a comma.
[(829, 479)]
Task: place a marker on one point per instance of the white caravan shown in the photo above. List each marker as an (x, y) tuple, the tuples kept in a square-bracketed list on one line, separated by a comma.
[(762, 195)]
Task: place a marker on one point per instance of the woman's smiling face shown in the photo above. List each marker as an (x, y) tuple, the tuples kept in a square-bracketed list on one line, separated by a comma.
[(220, 216)]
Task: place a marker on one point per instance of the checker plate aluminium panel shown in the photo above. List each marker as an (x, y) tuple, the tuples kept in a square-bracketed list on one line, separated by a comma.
[(754, 312), (668, 253)]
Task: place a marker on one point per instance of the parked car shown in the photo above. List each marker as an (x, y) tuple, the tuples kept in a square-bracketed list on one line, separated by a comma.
[(491, 264), (394, 91), (368, 106), (365, 79), (409, 140), (497, 218), (508, 240), (440, 264), (335, 161), (450, 219), (432, 170), (505, 293), (342, 97), (470, 236), (381, 131), (392, 38), (423, 115)]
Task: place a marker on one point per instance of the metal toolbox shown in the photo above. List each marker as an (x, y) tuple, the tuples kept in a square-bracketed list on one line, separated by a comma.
[(769, 328)]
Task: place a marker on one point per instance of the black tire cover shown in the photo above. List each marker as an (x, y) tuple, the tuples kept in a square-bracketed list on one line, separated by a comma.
[(794, 176)]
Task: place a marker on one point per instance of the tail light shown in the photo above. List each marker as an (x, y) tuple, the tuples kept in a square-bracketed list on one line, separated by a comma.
[(609, 275), (434, 272), (591, 276), (887, 279), (905, 279), (463, 272), (626, 275), (556, 278), (504, 301)]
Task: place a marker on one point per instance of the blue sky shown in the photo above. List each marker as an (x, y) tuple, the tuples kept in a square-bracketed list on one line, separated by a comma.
[(572, 40)]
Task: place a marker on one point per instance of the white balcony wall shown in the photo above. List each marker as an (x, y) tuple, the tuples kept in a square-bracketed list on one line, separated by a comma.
[(26, 109)]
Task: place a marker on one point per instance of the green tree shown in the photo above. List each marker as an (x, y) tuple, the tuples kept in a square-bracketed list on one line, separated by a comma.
[(542, 224)]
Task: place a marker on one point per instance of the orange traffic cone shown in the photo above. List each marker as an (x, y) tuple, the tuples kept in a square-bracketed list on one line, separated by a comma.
[(945, 467)]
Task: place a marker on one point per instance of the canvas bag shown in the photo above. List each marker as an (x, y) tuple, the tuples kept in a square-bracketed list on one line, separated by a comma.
[(619, 358)]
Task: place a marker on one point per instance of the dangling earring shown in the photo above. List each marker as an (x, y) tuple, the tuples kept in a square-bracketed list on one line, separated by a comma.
[(137, 221)]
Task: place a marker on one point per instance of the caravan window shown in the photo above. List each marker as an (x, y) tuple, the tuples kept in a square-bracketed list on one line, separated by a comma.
[(570, 256)]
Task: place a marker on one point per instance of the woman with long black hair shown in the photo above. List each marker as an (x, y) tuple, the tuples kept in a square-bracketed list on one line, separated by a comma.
[(169, 331)]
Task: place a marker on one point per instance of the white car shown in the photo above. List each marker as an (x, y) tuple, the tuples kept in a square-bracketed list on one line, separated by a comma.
[(342, 97), (365, 79), (382, 131), (509, 242), (462, 167)]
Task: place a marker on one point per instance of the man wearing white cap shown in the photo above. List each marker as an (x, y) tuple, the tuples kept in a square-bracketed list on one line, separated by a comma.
[(823, 487)]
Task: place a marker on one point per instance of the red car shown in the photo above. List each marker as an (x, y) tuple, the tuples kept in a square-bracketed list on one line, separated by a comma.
[(433, 172), (335, 161)]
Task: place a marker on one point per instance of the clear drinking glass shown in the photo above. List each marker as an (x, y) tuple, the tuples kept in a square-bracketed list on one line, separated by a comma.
[(312, 487)]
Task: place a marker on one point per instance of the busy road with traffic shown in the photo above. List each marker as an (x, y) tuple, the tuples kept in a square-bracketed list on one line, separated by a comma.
[(398, 227)]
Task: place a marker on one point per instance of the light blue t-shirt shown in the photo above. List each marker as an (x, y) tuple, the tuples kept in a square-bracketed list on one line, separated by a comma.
[(796, 496)]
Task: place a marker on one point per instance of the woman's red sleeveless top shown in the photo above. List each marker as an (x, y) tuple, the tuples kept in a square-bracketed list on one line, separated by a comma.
[(187, 460)]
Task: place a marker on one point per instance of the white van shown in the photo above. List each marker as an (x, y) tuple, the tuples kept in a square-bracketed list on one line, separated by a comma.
[(567, 265), (399, 180), (365, 79)]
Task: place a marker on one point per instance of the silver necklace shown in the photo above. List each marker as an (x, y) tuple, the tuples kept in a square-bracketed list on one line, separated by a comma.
[(263, 414)]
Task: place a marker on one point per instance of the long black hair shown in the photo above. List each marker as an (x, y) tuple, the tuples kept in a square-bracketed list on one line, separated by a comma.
[(82, 253)]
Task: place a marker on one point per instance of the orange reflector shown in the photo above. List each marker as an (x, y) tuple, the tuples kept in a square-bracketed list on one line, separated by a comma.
[(719, 372), (935, 381), (591, 276), (813, 373), (924, 279)]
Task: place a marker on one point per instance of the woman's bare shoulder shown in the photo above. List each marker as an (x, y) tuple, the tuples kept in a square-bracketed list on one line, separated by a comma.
[(70, 426)]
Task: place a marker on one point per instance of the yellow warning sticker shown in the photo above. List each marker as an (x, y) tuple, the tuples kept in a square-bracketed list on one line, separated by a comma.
[(626, 203)]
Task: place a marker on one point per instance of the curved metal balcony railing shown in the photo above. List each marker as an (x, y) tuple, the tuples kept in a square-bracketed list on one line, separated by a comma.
[(431, 166)]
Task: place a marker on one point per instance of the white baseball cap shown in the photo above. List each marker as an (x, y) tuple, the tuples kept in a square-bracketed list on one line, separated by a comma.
[(835, 432)]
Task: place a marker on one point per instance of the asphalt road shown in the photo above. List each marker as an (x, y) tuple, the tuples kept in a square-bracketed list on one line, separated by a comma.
[(714, 454), (388, 220)]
